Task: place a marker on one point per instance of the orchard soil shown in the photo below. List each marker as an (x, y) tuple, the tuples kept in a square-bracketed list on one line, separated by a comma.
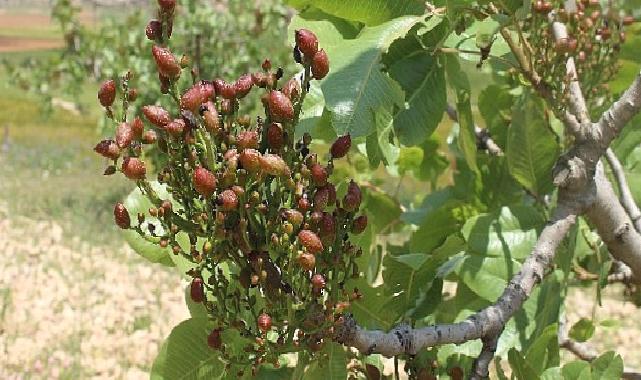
[(75, 301)]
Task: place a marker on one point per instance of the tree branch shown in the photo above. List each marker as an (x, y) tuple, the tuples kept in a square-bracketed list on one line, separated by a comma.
[(482, 135), (613, 224), (486, 324), (624, 190)]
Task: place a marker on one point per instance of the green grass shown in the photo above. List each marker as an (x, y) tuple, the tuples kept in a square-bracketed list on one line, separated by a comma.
[(50, 171)]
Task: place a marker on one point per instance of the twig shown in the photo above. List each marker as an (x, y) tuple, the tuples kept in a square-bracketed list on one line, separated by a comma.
[(482, 135), (624, 190)]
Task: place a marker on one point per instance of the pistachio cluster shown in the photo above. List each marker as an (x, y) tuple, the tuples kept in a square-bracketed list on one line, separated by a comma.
[(594, 38), (269, 237)]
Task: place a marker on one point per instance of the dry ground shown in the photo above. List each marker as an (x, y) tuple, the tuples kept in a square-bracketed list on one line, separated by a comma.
[(72, 311)]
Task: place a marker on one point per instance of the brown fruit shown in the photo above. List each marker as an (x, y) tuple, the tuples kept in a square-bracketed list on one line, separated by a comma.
[(176, 128), (243, 85), (294, 217), (292, 89), (628, 20), (197, 290), (275, 138), (250, 160), (121, 216), (210, 116), (192, 99), (107, 149), (307, 261), (138, 128), (156, 115), (247, 140), (228, 200), (133, 168), (167, 5), (149, 137), (327, 229), (264, 322), (320, 65), (318, 281), (274, 164), (352, 200), (107, 93), (321, 199), (307, 42), (341, 146), (310, 241), (214, 339), (226, 90), (166, 62), (124, 135), (280, 107), (359, 224), (319, 175), (154, 30), (204, 181)]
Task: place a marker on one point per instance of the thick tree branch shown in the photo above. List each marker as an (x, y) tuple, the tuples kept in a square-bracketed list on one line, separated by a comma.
[(624, 190), (486, 324), (613, 224)]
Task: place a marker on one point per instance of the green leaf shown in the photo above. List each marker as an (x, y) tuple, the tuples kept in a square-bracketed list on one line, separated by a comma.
[(544, 351), (509, 232), (187, 353), (196, 310), (381, 208), (356, 87), (582, 330), (577, 370), (379, 144), (461, 85), (608, 366), (332, 366), (408, 277), (486, 32), (495, 105), (439, 224), (409, 159), (422, 77), (369, 12), (487, 276), (522, 368), (137, 202), (532, 148)]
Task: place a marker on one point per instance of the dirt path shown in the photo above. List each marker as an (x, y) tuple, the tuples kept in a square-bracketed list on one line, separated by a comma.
[(71, 311)]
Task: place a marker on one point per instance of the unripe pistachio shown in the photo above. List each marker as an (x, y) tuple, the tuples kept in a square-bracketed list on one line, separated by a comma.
[(247, 140), (341, 146), (124, 135), (307, 42), (359, 224), (264, 322), (154, 30), (176, 128), (121, 216), (133, 168), (204, 181), (166, 62), (275, 138), (107, 149), (274, 165), (197, 290), (318, 281), (292, 89), (294, 217), (214, 339), (149, 137), (192, 99), (138, 128), (228, 200), (107, 93), (156, 115), (318, 174), (250, 159), (243, 85), (310, 241), (320, 65), (307, 261), (352, 200), (280, 107)]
